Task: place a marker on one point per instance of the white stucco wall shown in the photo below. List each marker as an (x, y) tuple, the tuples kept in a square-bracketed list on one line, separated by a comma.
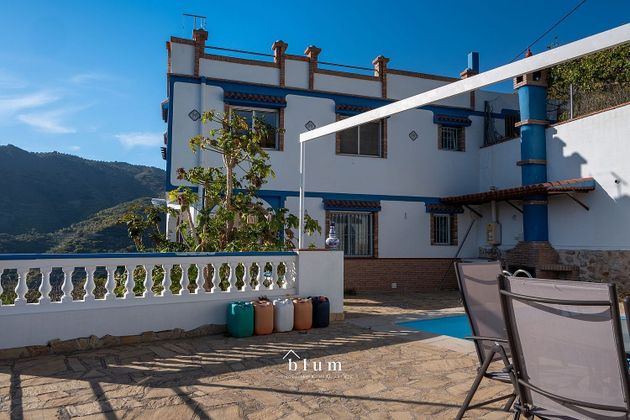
[(240, 72), (349, 85), (596, 146), (296, 73), (182, 58)]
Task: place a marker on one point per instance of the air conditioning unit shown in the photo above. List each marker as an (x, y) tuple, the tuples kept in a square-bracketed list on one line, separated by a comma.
[(493, 233)]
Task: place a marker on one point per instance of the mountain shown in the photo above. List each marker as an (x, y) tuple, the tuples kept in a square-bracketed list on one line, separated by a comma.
[(100, 232), (43, 193)]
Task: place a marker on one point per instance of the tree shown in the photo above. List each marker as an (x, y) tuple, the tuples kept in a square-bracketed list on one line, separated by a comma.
[(599, 80), (225, 213)]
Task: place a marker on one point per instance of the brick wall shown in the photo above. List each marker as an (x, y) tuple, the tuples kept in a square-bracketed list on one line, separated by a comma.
[(410, 274)]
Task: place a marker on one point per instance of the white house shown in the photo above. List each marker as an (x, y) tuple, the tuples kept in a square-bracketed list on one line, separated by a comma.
[(408, 192)]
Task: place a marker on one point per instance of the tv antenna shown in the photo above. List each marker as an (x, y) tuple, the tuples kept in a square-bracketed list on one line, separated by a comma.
[(199, 22)]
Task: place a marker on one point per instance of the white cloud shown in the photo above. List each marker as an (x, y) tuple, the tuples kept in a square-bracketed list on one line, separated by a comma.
[(134, 139), (10, 105), (83, 78), (47, 121), (74, 148)]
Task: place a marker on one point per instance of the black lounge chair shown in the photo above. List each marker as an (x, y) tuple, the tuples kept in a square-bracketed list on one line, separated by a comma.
[(478, 284), (567, 349)]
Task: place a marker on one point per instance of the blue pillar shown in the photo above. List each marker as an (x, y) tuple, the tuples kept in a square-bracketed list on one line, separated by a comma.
[(532, 96)]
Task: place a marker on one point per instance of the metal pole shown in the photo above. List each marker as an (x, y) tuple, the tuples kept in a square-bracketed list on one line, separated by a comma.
[(571, 101), (302, 182)]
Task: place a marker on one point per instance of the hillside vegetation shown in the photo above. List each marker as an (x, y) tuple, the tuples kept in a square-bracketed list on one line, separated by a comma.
[(54, 202)]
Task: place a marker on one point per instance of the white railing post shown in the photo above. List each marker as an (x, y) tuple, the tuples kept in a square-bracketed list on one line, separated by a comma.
[(148, 281), (44, 286), (185, 282), (110, 283), (89, 283), (198, 279), (231, 279), (246, 286), (215, 276), (130, 281), (22, 287), (166, 283), (67, 286)]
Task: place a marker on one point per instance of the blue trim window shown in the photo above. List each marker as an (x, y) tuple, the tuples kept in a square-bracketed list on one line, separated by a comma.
[(443, 229), (451, 137), (268, 116), (364, 140), (355, 231)]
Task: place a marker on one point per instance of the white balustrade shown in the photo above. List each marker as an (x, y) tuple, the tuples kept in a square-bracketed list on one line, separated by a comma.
[(62, 313), (229, 274)]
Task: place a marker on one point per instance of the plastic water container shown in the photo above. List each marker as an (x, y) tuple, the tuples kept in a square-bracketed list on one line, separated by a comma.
[(240, 319), (302, 314), (282, 315), (263, 317), (321, 311)]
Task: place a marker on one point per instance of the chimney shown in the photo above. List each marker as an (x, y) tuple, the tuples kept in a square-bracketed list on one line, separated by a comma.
[(380, 71), (312, 52), (200, 36), (279, 56), (473, 66)]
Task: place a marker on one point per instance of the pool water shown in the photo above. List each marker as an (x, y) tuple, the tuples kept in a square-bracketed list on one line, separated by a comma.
[(454, 326), (457, 326)]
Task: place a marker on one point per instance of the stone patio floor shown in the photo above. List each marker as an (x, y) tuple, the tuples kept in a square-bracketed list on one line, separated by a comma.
[(386, 372)]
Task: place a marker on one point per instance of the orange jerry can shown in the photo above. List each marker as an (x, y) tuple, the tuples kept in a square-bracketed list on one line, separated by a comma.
[(263, 317), (303, 314)]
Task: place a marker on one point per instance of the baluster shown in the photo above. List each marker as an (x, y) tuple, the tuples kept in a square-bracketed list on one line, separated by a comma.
[(167, 279), (231, 278), (215, 276), (291, 274), (274, 276), (110, 284), (129, 283), (246, 280), (185, 282), (44, 287), (148, 281), (67, 286), (259, 276), (198, 279), (89, 283), (22, 287)]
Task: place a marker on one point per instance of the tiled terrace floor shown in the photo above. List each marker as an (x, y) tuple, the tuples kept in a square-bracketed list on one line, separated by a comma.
[(385, 373)]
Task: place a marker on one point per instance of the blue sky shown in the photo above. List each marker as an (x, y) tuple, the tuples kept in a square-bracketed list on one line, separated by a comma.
[(87, 78)]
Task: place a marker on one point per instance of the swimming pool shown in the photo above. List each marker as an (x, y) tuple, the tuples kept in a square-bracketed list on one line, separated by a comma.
[(454, 326), (458, 326)]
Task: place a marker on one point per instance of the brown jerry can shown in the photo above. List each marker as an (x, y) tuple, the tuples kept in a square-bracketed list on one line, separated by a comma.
[(303, 314), (263, 317)]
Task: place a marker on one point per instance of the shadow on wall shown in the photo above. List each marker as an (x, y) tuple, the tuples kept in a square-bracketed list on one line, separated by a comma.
[(596, 240)]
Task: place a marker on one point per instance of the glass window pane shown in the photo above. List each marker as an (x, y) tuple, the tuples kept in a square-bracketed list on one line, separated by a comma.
[(354, 231), (270, 119), (246, 114), (370, 139), (349, 140)]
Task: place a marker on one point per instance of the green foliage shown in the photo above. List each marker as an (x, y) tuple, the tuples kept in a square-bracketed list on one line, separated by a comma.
[(45, 192), (230, 216), (592, 73), (100, 232)]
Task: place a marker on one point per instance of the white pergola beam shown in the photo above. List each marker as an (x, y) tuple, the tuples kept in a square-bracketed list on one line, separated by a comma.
[(601, 41)]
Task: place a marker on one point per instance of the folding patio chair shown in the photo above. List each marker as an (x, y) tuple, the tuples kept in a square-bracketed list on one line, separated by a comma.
[(567, 348), (478, 283)]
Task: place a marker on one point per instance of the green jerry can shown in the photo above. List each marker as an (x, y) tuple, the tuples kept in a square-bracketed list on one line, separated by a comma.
[(240, 319)]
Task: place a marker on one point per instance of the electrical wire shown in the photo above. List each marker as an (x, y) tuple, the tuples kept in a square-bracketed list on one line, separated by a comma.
[(549, 30)]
